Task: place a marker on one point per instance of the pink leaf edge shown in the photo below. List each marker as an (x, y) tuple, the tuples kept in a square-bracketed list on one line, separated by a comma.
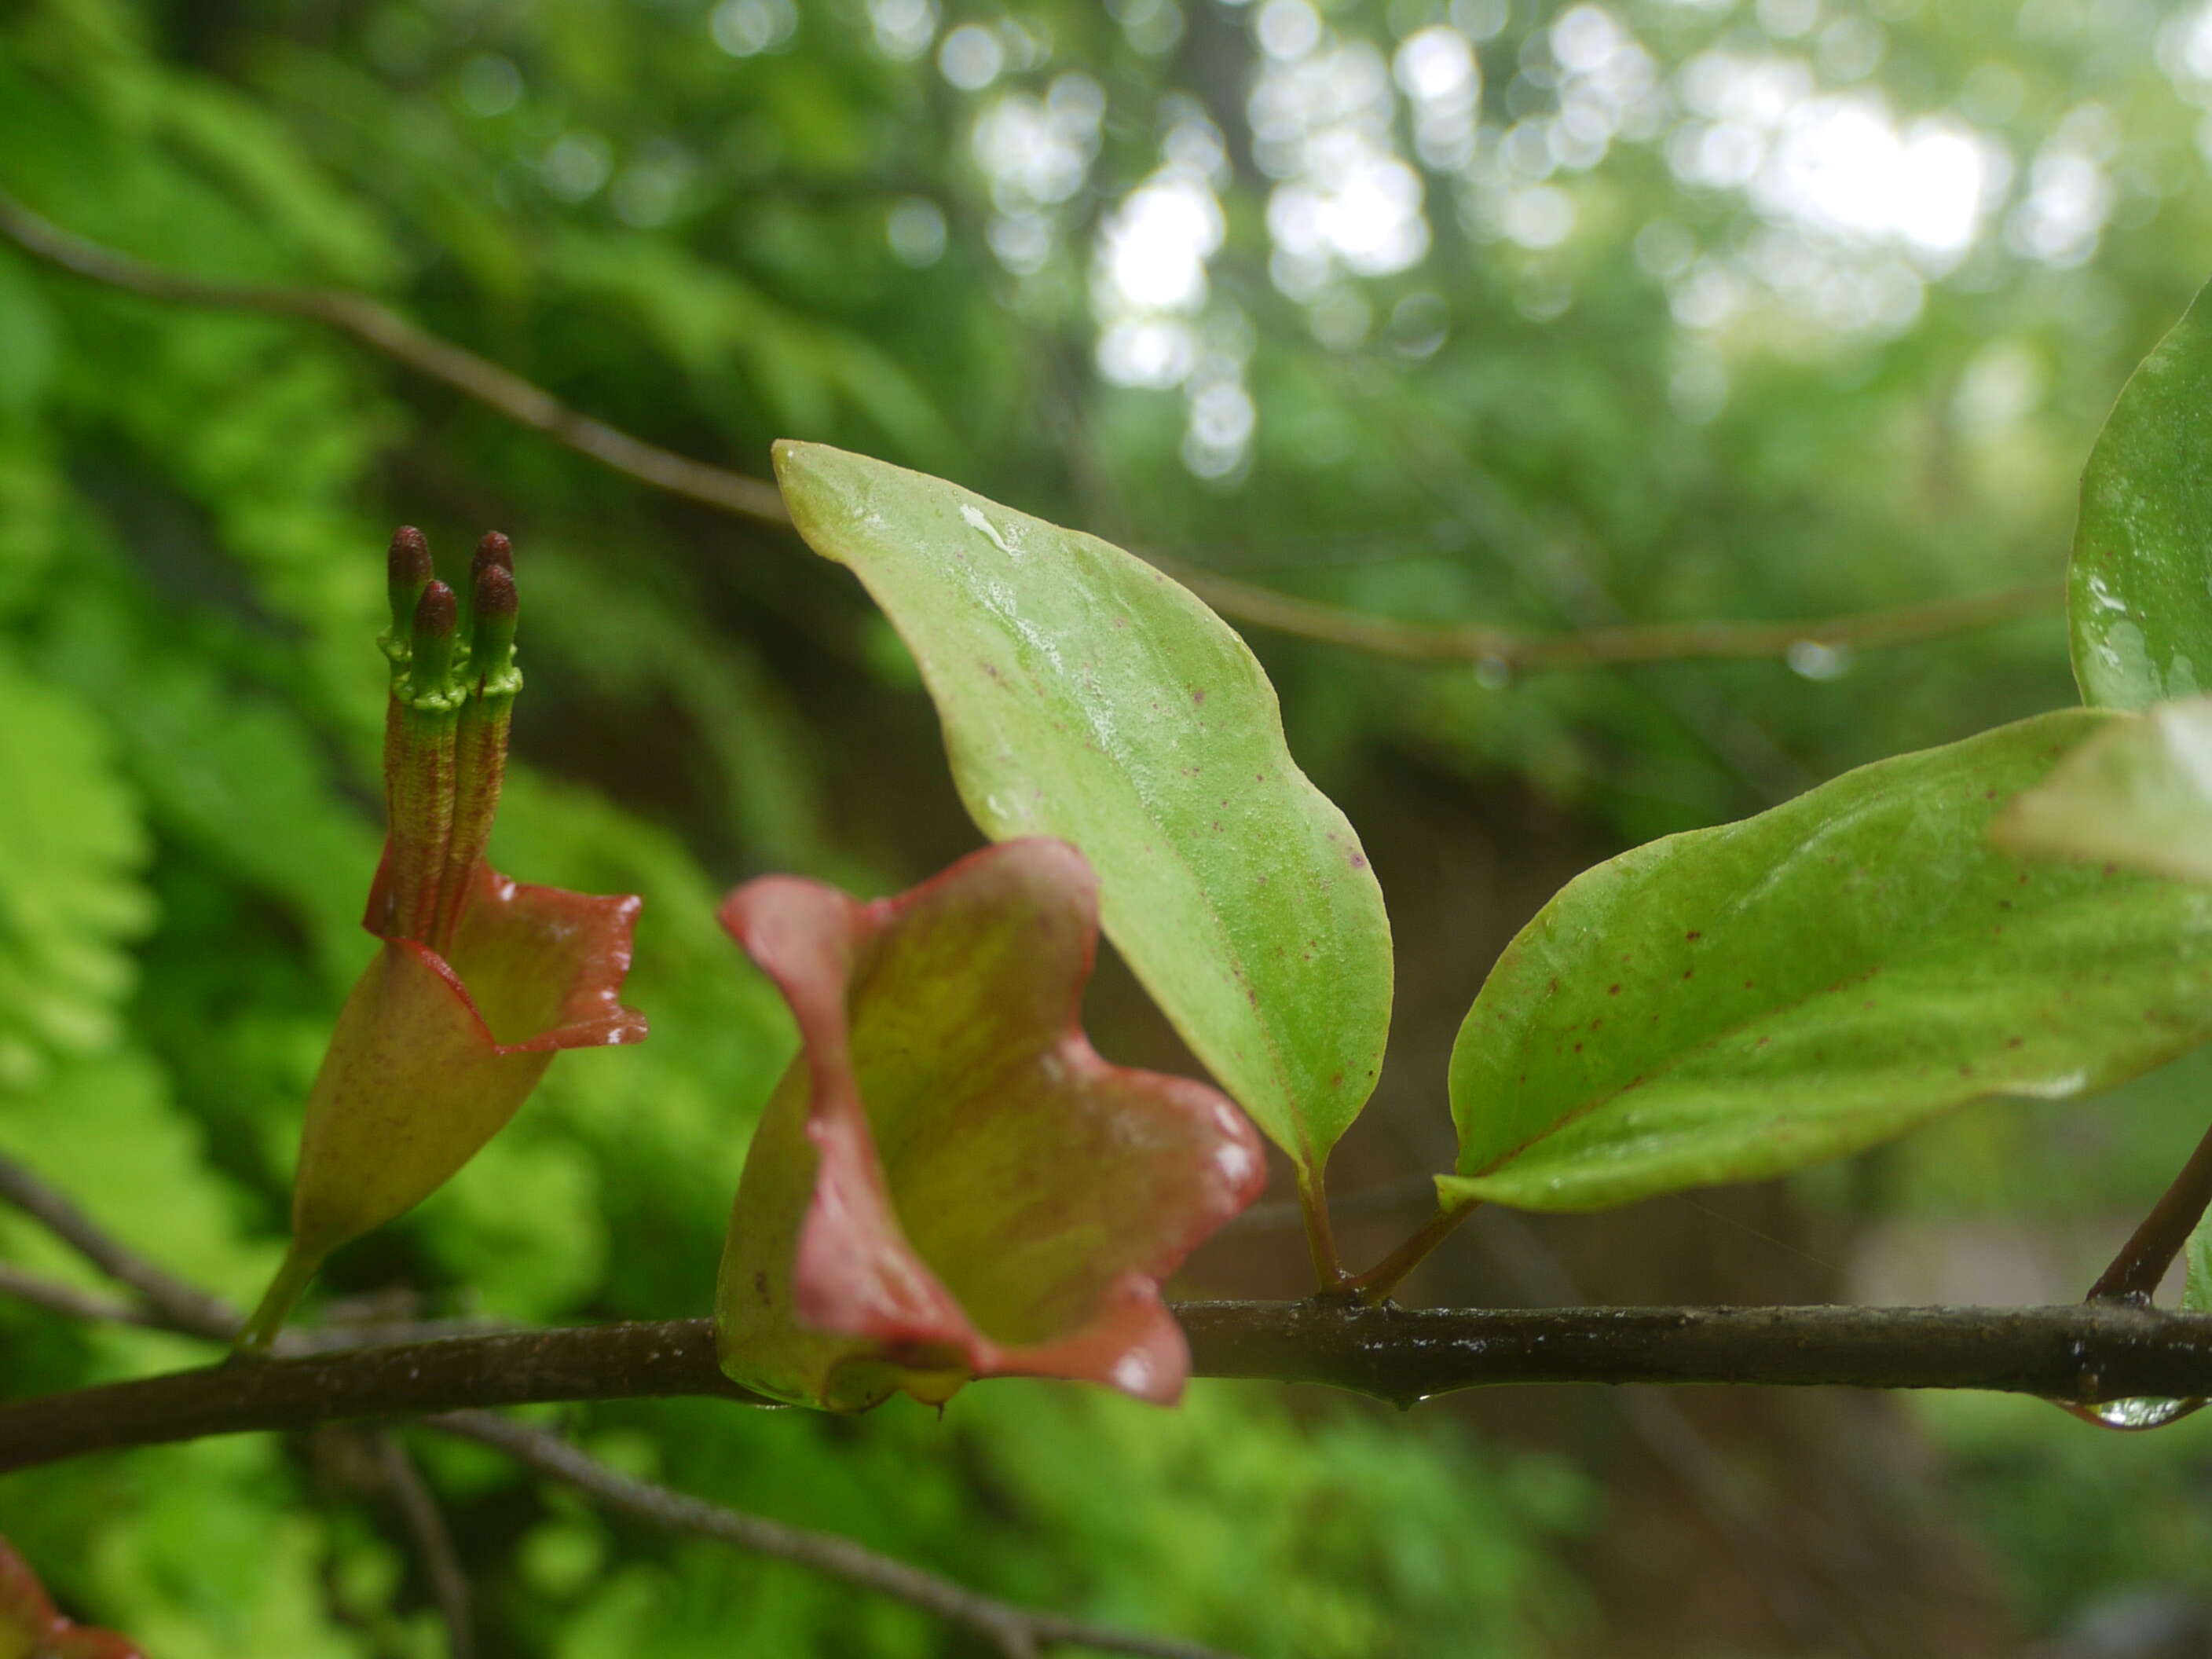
[(584, 939), (857, 1273)]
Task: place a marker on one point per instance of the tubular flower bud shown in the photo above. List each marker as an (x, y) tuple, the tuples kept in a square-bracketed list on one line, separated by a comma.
[(478, 980)]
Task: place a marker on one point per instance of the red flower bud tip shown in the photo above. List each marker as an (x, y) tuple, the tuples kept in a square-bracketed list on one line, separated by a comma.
[(494, 548), (407, 574), (492, 606)]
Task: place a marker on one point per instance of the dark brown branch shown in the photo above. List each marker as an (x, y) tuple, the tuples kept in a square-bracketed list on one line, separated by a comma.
[(383, 330), (1018, 1631), (2089, 1351), (605, 1362)]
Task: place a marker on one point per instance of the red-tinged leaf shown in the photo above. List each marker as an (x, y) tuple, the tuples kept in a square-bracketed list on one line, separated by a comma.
[(431, 1055), (434, 1055), (26, 1616), (30, 1628), (78, 1643), (950, 1183)]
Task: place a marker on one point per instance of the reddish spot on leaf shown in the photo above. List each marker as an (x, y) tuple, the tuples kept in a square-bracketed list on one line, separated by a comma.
[(1612, 990)]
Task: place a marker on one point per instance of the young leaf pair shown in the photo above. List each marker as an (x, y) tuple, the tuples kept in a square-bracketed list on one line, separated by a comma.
[(1727, 1004)]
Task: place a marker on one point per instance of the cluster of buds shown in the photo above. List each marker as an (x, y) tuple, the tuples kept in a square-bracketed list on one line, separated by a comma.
[(445, 740)]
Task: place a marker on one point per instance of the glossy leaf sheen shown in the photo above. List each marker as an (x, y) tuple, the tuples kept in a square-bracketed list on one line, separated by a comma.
[(2138, 794), (1086, 696), (2139, 586), (950, 1183), (1734, 1003)]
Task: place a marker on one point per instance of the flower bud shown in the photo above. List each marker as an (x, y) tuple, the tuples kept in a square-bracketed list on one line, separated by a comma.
[(407, 574)]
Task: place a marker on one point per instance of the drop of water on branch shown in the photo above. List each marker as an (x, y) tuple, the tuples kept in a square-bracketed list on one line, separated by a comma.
[(2148, 1412)]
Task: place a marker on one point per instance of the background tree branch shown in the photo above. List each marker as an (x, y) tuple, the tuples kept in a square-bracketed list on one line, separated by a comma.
[(383, 330)]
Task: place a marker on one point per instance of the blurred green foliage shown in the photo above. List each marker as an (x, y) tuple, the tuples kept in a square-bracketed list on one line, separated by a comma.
[(1616, 369)]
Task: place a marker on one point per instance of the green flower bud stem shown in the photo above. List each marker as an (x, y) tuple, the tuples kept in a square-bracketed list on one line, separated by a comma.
[(284, 1295), (480, 742), (421, 774)]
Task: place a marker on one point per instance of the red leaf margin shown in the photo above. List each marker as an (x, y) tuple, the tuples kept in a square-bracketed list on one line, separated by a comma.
[(856, 1271)]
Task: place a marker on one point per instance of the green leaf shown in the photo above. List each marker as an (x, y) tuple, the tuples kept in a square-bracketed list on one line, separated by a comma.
[(2138, 794), (1734, 1003), (2139, 586), (1087, 697)]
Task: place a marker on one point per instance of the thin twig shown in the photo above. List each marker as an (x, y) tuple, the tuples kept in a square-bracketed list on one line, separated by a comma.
[(377, 326), (1510, 652), (1018, 1631), (1281, 1214), (66, 1299), (434, 1542), (1386, 1275), (181, 1306), (2151, 1248)]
